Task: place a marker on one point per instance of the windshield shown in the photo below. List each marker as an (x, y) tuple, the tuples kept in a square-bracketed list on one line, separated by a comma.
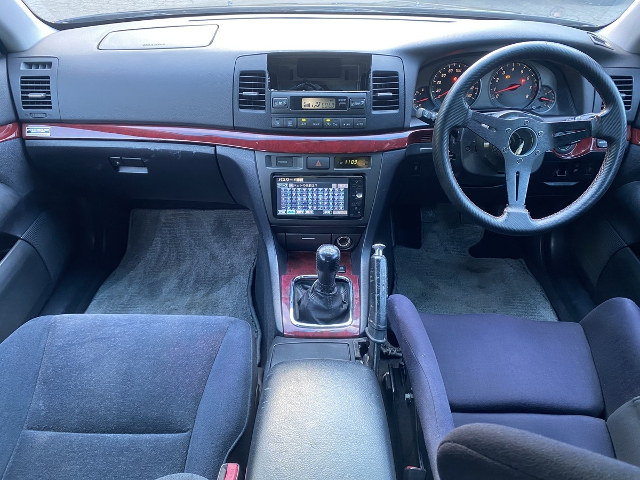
[(588, 13)]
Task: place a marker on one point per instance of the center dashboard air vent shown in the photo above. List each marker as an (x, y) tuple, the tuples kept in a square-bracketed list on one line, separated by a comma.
[(35, 92), (252, 90), (385, 89)]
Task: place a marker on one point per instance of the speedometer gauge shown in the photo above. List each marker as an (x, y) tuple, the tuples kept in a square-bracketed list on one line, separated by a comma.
[(513, 85), (443, 80)]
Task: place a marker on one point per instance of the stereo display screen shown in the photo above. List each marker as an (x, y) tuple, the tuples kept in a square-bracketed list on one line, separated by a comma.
[(311, 196)]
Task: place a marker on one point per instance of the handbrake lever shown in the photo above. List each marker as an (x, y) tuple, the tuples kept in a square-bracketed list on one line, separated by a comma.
[(378, 291)]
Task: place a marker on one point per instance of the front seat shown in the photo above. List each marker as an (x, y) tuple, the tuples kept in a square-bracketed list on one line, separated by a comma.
[(123, 396), (529, 399)]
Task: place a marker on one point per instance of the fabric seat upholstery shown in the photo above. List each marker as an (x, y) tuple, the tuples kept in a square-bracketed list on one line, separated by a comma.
[(123, 396), (558, 380)]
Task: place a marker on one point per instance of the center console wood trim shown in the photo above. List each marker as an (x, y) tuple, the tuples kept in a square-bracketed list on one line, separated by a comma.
[(254, 141), (304, 263)]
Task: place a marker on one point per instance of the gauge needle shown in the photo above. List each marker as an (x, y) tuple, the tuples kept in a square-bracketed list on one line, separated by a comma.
[(545, 99), (425, 99), (510, 87), (442, 94)]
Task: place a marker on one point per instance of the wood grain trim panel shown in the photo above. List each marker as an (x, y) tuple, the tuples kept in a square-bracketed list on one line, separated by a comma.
[(581, 148), (634, 136), (304, 263), (9, 132), (254, 141)]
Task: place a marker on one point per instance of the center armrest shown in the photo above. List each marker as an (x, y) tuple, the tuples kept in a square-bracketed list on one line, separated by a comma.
[(320, 419)]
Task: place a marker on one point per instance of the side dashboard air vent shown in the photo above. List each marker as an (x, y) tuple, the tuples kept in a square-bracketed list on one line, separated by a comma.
[(625, 87), (252, 91), (35, 92), (385, 88)]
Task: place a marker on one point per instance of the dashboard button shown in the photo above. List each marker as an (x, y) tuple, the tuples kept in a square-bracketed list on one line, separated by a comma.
[(280, 102), (304, 123), (359, 122), (346, 123), (318, 163), (290, 122), (277, 122), (284, 161), (341, 103), (357, 102), (331, 122), (316, 122)]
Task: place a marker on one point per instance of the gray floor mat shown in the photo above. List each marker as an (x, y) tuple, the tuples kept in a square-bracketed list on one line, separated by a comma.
[(190, 262), (441, 277)]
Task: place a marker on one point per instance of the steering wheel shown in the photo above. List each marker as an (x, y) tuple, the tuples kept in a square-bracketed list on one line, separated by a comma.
[(523, 138)]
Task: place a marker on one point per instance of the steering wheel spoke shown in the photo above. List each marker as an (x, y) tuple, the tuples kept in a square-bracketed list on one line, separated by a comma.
[(569, 130), (517, 174), (489, 127)]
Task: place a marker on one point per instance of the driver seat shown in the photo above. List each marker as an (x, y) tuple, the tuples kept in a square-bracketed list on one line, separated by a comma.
[(508, 397)]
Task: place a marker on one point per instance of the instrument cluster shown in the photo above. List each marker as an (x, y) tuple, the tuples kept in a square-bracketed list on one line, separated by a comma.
[(514, 85)]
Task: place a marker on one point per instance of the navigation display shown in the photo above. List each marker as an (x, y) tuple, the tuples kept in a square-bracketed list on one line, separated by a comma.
[(312, 196)]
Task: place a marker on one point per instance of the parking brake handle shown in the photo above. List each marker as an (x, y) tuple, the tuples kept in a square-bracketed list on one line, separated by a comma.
[(378, 292)]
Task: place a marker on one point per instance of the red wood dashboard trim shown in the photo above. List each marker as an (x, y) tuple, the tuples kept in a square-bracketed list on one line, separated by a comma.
[(9, 132), (634, 136), (304, 263), (259, 141), (254, 141)]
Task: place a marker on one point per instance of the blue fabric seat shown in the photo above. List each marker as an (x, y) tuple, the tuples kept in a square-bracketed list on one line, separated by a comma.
[(562, 381), (123, 396)]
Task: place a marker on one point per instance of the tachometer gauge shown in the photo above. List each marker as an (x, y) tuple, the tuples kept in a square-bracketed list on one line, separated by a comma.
[(421, 98), (545, 101), (443, 80), (513, 85)]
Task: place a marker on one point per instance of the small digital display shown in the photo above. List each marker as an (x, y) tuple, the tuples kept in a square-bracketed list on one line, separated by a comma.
[(313, 103), (353, 162), (311, 196)]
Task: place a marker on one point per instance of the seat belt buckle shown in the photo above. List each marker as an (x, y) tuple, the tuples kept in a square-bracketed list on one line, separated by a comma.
[(229, 471)]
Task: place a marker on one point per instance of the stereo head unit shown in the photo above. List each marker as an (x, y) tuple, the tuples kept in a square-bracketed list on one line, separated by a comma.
[(318, 197)]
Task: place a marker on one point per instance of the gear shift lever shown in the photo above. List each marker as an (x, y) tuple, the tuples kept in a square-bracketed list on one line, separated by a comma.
[(325, 302), (327, 263)]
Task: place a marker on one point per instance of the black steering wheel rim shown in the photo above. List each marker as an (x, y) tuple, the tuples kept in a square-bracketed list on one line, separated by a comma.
[(610, 124)]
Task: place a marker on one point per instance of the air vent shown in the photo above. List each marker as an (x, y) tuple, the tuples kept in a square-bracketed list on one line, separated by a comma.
[(36, 65), (251, 91), (625, 87), (35, 93), (601, 42), (386, 91)]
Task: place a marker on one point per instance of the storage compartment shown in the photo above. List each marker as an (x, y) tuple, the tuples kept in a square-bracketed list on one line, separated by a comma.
[(320, 420), (135, 170)]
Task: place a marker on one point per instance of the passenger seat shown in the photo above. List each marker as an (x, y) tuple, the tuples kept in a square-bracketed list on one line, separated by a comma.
[(123, 396)]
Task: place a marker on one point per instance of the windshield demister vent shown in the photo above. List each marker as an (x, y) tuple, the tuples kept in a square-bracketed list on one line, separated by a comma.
[(601, 42), (625, 87), (35, 93), (385, 89), (252, 91)]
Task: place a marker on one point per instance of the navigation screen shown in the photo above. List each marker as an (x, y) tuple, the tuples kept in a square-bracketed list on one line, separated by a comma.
[(312, 196)]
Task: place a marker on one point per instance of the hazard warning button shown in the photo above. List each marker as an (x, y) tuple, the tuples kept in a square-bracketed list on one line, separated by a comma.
[(318, 163)]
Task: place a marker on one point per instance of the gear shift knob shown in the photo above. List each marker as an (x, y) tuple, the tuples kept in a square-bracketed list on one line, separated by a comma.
[(327, 263)]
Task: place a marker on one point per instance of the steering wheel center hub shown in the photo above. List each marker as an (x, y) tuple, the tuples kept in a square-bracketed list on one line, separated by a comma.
[(522, 141)]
